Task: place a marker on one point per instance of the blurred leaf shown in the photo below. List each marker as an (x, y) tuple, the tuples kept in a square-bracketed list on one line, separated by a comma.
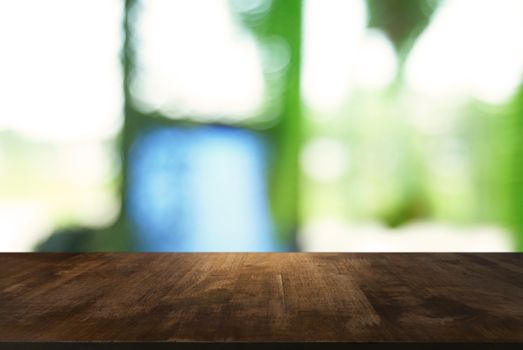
[(401, 20), (510, 163)]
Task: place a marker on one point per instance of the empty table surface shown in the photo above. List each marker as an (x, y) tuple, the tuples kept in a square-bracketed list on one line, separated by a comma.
[(173, 300)]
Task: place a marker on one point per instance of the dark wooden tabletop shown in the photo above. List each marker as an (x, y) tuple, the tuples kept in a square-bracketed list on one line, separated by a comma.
[(275, 298)]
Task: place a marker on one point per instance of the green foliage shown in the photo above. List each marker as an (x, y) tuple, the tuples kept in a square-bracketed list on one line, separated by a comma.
[(281, 22), (511, 167)]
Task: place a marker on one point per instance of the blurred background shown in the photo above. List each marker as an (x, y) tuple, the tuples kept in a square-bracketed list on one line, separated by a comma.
[(259, 125)]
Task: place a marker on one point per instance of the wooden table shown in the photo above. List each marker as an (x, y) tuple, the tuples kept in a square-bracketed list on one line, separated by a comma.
[(276, 300)]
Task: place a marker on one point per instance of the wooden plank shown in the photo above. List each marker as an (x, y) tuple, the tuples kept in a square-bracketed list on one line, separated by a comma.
[(273, 298)]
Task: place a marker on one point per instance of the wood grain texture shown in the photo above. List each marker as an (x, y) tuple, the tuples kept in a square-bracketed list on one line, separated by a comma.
[(274, 297)]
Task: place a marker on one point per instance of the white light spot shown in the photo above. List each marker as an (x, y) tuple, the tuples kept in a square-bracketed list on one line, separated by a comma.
[(324, 159), (334, 235), (471, 48), (332, 32), (375, 65), (60, 68), (193, 60)]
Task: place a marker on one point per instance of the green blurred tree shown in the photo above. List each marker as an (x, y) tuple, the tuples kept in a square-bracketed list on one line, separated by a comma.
[(277, 26), (509, 166), (403, 21)]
